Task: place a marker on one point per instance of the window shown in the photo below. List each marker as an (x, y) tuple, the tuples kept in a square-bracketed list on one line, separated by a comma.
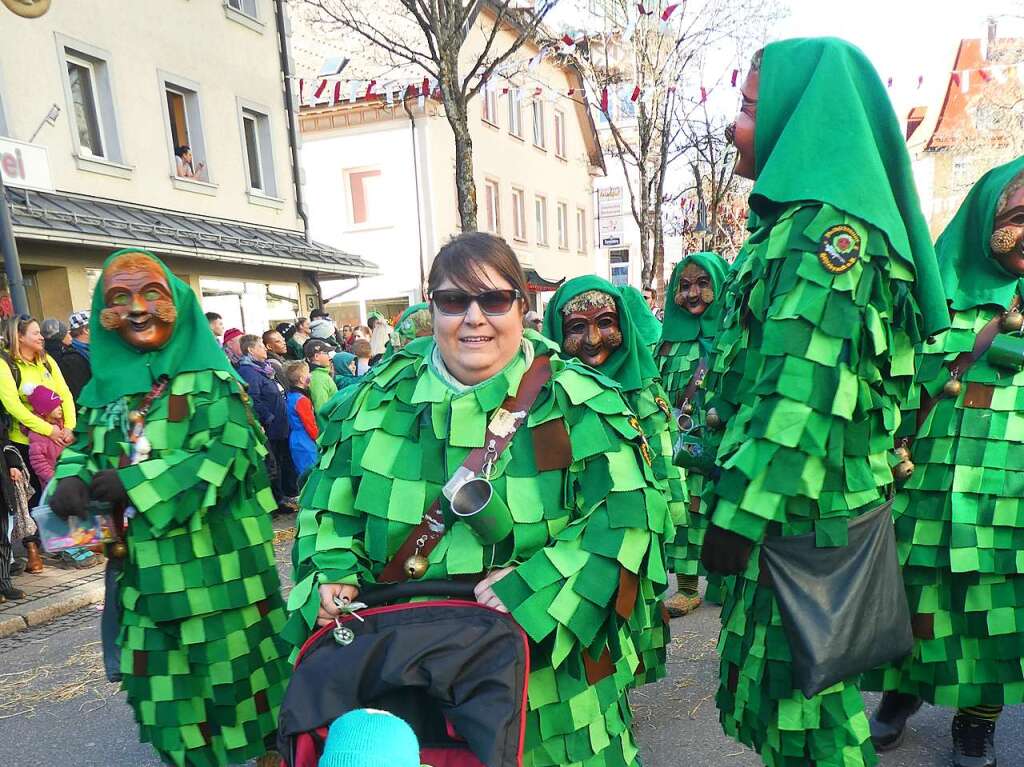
[(540, 214), (618, 261), (515, 113), (562, 221), (518, 214), (367, 204), (248, 7), (559, 134), (492, 207), (538, 124), (185, 123), (90, 101), (259, 156), (581, 230), (490, 106)]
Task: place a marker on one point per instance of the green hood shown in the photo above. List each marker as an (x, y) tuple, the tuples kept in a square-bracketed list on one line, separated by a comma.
[(125, 369), (631, 365), (970, 275), (647, 324), (826, 132), (406, 325), (679, 324)]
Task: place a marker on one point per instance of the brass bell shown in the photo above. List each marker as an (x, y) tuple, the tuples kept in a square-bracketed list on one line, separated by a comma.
[(118, 550), (687, 408), (416, 566), (952, 387), (135, 417), (903, 470), (712, 419), (902, 453), (1012, 322)]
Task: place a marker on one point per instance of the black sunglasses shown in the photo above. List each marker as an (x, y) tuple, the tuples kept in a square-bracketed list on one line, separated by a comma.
[(491, 302)]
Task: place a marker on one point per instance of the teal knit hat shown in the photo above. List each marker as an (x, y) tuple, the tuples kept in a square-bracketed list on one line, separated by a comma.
[(370, 738)]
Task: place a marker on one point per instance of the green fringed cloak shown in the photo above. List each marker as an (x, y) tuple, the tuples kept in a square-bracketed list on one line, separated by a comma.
[(589, 514), (686, 339), (960, 517), (647, 401), (202, 660), (647, 325), (813, 360)]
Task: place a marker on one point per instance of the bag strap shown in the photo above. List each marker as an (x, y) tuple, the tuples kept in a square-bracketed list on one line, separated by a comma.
[(959, 365), (428, 533), (695, 381)]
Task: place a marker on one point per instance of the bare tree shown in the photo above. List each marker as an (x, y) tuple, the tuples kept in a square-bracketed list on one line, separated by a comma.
[(429, 37), (652, 54)]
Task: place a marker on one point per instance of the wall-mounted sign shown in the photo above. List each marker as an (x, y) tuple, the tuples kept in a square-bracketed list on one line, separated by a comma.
[(25, 165), (610, 242)]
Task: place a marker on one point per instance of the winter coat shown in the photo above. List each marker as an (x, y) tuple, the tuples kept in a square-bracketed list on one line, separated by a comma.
[(321, 388), (302, 440), (267, 399), (43, 453), (76, 369), (12, 397)]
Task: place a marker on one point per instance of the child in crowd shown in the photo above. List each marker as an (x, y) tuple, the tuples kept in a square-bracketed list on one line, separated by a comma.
[(367, 737), (361, 350), (302, 440), (345, 370)]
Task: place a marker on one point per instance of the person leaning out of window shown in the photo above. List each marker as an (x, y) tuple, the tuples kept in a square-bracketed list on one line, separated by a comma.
[(183, 164)]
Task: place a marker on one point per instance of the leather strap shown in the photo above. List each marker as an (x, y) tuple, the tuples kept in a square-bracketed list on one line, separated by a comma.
[(960, 363), (695, 381), (431, 529)]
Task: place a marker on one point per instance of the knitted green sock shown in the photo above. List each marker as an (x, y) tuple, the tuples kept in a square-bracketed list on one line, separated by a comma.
[(687, 583)]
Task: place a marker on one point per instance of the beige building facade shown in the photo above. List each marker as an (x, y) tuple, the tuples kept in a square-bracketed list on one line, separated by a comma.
[(100, 98)]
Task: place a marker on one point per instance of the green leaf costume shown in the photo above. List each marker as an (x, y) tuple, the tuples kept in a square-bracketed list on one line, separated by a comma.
[(647, 325), (647, 400), (685, 340), (960, 516), (589, 514), (814, 358), (202, 660)]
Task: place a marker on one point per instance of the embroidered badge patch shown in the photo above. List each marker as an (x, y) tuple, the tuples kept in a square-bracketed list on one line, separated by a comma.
[(840, 249)]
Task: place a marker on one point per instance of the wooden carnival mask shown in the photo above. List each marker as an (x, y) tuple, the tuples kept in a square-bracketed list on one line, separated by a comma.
[(590, 327), (139, 304), (696, 291), (1007, 242)]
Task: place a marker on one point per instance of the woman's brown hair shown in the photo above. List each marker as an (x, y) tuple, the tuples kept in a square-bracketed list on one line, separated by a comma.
[(463, 258), (13, 328)]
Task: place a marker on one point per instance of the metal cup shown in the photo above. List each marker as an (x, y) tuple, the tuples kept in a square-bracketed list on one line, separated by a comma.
[(476, 503)]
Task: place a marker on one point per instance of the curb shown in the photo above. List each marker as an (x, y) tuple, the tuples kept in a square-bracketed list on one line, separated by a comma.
[(19, 617)]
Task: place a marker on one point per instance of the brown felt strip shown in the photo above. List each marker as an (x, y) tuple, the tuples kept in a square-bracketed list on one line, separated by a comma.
[(629, 585), (551, 446)]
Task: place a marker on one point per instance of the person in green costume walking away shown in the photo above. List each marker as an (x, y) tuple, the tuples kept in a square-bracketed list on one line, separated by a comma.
[(166, 437), (812, 362), (578, 561), (957, 523), (648, 326), (692, 312), (590, 320)]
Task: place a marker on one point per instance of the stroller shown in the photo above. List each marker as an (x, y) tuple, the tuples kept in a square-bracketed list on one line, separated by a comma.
[(455, 670)]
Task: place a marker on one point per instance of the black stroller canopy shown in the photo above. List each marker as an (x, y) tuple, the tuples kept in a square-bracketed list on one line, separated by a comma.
[(427, 663)]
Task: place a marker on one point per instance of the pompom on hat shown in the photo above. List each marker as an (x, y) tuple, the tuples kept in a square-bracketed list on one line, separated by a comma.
[(370, 738)]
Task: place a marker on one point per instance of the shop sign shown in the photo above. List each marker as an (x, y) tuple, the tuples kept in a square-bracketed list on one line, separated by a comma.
[(24, 165)]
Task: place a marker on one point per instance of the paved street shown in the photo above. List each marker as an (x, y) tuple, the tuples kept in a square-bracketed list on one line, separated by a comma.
[(56, 702)]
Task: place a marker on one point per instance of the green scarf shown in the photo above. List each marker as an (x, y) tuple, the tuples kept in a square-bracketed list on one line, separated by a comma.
[(679, 324), (631, 365), (127, 370), (826, 132), (970, 274), (647, 325)]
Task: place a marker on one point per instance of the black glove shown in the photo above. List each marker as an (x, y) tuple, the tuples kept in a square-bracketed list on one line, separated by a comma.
[(107, 486), (70, 498), (724, 551)]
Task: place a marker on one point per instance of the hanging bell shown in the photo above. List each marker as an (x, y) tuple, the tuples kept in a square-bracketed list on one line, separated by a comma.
[(687, 408), (903, 470), (902, 453), (952, 387), (1012, 322), (118, 550), (416, 566), (712, 419), (136, 417), (343, 635)]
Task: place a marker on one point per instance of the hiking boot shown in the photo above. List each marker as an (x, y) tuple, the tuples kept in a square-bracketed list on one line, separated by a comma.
[(889, 722), (34, 562), (974, 742), (682, 603), (12, 592)]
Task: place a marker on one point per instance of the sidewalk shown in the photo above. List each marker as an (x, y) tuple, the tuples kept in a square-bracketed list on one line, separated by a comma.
[(56, 592)]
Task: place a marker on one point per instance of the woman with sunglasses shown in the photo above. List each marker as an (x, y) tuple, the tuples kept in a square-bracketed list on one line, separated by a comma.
[(581, 518), (815, 355)]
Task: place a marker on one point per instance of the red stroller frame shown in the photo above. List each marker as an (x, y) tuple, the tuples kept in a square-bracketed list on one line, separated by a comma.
[(455, 670)]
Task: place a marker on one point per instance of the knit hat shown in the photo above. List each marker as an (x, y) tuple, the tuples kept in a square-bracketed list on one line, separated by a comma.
[(43, 401), (79, 320), (369, 738), (321, 328), (52, 328), (232, 333)]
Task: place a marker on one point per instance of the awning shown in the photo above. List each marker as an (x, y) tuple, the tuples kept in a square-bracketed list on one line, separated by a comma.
[(84, 220), (538, 284)]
